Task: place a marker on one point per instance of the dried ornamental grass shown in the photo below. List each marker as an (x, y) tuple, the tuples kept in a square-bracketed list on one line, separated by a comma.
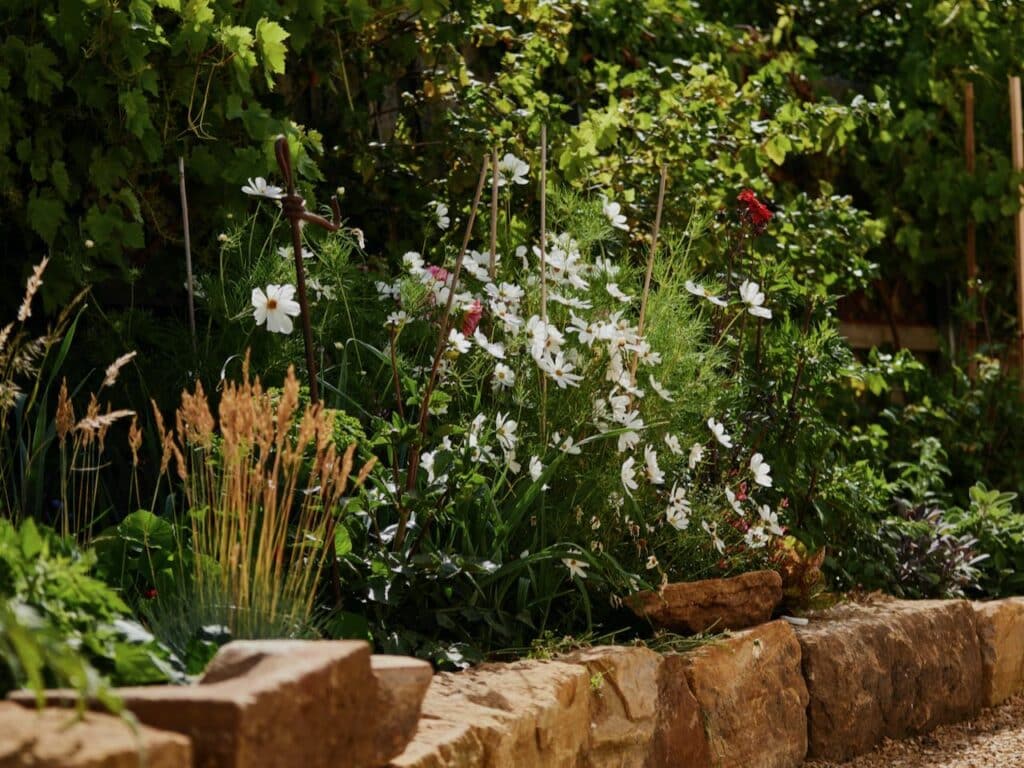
[(263, 482)]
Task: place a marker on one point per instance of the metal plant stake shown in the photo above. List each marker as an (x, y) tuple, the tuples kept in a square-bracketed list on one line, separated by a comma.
[(293, 205)]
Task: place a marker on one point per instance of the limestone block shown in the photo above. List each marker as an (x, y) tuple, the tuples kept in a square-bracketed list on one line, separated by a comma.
[(59, 738), (624, 704), (1001, 634), (752, 698), (679, 738), (283, 703), (889, 670), (690, 607), (528, 714)]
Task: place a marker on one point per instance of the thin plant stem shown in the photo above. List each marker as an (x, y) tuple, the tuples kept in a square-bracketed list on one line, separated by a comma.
[(655, 230), (442, 341)]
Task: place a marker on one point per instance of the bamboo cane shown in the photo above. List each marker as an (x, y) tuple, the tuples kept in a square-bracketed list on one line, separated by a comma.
[(972, 264), (1017, 144)]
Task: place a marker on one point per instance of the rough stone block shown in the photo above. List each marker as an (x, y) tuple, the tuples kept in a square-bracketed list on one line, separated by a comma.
[(690, 607), (679, 737), (1001, 634), (624, 704), (529, 714), (889, 670), (58, 738), (282, 703), (752, 698)]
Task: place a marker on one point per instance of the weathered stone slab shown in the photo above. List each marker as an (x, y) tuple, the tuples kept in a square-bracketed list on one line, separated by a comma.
[(282, 703), (679, 737), (624, 704), (752, 698), (529, 714), (690, 607), (889, 670), (57, 738), (1001, 634)]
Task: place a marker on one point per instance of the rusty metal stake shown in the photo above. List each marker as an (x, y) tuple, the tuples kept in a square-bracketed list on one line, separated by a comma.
[(293, 205)]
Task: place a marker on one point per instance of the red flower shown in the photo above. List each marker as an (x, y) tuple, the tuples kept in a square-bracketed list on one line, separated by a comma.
[(150, 594), (754, 211), (472, 318)]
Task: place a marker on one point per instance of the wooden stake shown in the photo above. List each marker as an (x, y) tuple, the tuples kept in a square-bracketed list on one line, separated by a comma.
[(188, 251), (544, 272), (491, 262), (972, 263), (1017, 143), (543, 222)]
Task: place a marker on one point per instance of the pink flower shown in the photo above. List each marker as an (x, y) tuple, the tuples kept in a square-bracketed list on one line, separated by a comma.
[(472, 318), (438, 273)]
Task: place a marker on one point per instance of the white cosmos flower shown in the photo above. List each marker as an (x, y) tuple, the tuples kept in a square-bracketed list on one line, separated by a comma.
[(276, 307), (570, 301), (752, 296), (712, 531), (663, 393), (441, 214), (427, 462), (628, 475), (696, 454), (259, 187), (756, 538), (700, 290), (718, 430), (677, 517), (673, 444), (413, 263), (512, 169), (651, 469), (559, 370), (505, 431), (615, 215), (494, 349), (322, 291), (652, 563), (771, 520), (288, 252), (577, 568), (733, 502), (458, 342), (761, 469), (565, 446), (396, 319), (536, 468), (616, 293), (504, 377)]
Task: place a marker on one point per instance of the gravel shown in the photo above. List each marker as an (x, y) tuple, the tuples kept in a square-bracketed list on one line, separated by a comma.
[(995, 739)]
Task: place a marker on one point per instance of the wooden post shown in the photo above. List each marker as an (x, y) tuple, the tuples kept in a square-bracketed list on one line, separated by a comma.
[(1017, 143), (972, 258)]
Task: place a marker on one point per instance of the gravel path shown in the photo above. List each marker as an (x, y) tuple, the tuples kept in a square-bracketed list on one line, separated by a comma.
[(995, 739)]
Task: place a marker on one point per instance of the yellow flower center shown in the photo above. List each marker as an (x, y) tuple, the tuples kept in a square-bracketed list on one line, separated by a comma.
[(271, 304)]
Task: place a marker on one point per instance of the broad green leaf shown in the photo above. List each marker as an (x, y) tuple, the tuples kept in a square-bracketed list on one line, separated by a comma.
[(270, 37)]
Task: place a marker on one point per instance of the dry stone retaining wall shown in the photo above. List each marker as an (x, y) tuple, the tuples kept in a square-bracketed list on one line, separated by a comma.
[(765, 697)]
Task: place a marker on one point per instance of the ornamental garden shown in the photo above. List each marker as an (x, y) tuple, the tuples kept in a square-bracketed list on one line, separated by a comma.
[(467, 330)]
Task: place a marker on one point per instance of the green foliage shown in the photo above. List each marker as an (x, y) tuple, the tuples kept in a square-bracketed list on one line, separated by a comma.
[(999, 530), (53, 578)]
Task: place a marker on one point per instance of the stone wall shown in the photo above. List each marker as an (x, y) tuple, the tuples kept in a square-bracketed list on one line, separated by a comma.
[(764, 697)]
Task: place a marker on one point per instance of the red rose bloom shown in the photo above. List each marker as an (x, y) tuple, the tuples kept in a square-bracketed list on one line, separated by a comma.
[(754, 211)]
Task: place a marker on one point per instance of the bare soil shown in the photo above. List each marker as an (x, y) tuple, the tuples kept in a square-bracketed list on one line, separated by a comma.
[(995, 739)]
